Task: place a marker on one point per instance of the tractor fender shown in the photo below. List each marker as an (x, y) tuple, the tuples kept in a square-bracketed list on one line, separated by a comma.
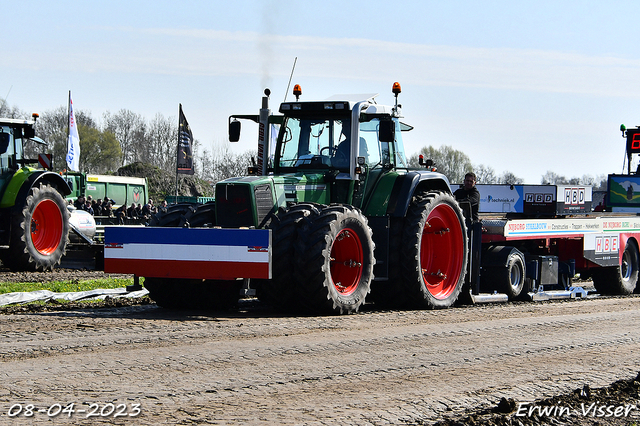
[(414, 181), (25, 179)]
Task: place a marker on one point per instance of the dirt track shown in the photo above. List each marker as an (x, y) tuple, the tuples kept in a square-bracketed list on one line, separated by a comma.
[(253, 366)]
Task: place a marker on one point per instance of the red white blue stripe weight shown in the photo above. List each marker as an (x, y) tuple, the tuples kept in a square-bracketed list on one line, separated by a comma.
[(190, 253)]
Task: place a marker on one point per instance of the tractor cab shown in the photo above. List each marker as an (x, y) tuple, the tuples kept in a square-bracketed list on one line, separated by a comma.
[(352, 140), (342, 150), (343, 135), (13, 134)]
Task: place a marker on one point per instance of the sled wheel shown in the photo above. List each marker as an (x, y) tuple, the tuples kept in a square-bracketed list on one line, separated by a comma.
[(434, 251), (191, 294), (160, 291), (334, 261), (507, 273), (39, 231), (620, 280)]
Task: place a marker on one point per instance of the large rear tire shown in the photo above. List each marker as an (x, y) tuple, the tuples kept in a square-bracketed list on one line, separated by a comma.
[(619, 280), (334, 261), (39, 231), (434, 251)]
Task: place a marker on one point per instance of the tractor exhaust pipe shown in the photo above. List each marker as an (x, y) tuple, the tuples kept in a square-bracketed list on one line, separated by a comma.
[(264, 134)]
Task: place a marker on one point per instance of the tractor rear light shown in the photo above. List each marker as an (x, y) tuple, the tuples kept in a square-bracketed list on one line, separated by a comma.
[(328, 106)]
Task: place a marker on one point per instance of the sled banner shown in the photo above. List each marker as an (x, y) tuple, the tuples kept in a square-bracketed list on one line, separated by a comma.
[(189, 253)]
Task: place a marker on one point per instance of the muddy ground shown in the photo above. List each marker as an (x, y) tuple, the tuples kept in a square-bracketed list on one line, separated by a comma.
[(478, 365)]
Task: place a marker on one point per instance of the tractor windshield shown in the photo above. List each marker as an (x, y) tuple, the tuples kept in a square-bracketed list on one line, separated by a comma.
[(315, 143)]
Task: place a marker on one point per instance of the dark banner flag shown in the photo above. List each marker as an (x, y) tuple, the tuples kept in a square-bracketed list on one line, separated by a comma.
[(185, 141)]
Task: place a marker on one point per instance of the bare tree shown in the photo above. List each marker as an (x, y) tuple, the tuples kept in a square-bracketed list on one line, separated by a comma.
[(485, 174), (452, 163), (7, 111), (126, 126), (600, 183), (162, 142), (551, 178), (510, 179), (220, 163)]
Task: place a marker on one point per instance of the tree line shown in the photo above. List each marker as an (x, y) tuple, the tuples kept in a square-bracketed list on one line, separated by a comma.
[(125, 137), (455, 164)]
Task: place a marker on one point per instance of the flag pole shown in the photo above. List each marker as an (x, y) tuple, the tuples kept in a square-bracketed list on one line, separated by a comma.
[(178, 150), (66, 169)]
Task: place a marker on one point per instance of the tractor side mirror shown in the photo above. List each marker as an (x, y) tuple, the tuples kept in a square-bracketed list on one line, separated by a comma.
[(29, 132), (234, 131), (387, 131)]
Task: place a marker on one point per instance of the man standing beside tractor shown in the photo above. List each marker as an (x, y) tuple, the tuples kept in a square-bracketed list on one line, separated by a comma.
[(469, 199)]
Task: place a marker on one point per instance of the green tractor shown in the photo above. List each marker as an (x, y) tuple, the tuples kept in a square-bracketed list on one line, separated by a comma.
[(349, 219), (34, 220)]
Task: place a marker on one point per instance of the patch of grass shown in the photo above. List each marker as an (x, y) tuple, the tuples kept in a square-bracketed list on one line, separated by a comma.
[(66, 286)]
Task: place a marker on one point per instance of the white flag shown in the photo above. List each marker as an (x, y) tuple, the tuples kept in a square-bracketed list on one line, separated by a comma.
[(73, 144)]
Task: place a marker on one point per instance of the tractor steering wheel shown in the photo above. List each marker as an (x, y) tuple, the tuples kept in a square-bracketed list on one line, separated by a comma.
[(332, 150)]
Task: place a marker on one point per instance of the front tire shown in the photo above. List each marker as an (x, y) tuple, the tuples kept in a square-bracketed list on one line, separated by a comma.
[(334, 261), (434, 251), (39, 231), (279, 291)]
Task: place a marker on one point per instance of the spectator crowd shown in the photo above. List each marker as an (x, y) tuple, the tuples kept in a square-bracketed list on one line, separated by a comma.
[(104, 207)]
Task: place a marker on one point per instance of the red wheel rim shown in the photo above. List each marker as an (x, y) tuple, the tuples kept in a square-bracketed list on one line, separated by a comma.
[(46, 227), (442, 251), (346, 261)]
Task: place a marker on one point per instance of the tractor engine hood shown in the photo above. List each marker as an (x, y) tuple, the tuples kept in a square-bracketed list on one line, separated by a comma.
[(248, 201)]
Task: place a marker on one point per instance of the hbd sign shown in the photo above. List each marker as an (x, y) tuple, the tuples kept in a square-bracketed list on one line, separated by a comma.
[(574, 196), (538, 198)]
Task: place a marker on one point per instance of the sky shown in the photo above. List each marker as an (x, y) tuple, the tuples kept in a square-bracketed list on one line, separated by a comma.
[(519, 86)]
